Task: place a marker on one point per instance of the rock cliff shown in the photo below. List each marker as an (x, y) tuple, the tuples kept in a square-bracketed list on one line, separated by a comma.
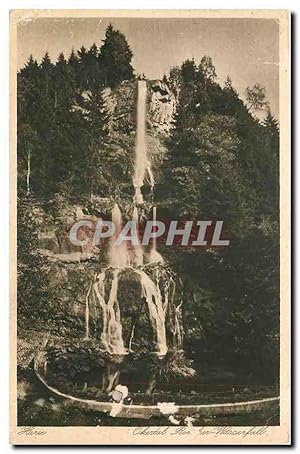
[(121, 106)]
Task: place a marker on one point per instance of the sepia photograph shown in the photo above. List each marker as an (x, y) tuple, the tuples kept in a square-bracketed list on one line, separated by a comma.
[(149, 222)]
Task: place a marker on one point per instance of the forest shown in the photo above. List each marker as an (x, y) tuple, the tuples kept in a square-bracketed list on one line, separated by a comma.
[(218, 160)]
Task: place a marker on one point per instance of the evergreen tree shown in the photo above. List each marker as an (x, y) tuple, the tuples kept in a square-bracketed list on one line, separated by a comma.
[(93, 51), (28, 94), (73, 64), (82, 53), (47, 74), (33, 290), (30, 69), (90, 75), (64, 88), (115, 58), (208, 69), (94, 73), (82, 68), (228, 83), (222, 164), (270, 123), (73, 59), (61, 60), (96, 113), (97, 117), (46, 62), (188, 71)]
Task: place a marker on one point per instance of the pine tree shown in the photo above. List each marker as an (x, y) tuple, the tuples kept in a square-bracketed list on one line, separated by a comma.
[(47, 73), (61, 59), (271, 124), (73, 63), (89, 74), (188, 71), (28, 89), (94, 73), (223, 164), (64, 87), (30, 69), (97, 114), (228, 84), (115, 58), (93, 51), (95, 160), (82, 69), (28, 102), (73, 59), (81, 54), (208, 70), (46, 62)]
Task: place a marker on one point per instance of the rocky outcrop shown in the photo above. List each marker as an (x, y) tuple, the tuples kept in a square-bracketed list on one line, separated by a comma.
[(121, 107), (162, 107), (53, 230)]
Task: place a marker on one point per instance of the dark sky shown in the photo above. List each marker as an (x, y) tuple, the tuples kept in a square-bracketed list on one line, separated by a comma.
[(246, 49)]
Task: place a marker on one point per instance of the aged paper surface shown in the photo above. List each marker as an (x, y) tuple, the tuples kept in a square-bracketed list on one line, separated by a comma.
[(150, 209)]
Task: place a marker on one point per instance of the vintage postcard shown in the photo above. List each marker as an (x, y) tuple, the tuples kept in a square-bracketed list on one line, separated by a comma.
[(150, 227)]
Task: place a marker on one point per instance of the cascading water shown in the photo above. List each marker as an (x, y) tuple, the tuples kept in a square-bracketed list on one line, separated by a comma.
[(156, 288), (111, 336), (157, 311), (154, 256), (142, 164), (118, 254), (138, 249), (157, 303)]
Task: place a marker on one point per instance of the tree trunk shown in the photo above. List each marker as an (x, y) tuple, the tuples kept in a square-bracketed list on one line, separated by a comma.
[(110, 377), (28, 171), (151, 385)]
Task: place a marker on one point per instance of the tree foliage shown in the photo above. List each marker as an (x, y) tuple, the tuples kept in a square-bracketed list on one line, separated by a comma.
[(223, 164), (115, 56), (62, 117), (256, 97)]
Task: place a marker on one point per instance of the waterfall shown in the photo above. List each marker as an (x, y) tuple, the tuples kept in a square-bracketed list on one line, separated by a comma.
[(154, 256), (87, 314), (152, 294), (157, 303), (157, 291), (138, 250), (118, 255), (142, 164), (111, 335)]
